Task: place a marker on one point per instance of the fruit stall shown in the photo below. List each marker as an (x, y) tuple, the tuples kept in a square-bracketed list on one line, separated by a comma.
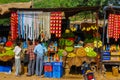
[(111, 51), (65, 47)]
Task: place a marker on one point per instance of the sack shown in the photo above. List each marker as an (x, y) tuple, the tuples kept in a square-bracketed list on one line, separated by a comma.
[(26, 58)]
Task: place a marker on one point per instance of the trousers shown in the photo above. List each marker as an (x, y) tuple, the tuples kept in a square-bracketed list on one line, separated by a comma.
[(31, 67), (39, 65), (17, 66)]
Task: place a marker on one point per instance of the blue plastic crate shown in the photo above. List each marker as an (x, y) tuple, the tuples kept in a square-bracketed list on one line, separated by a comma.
[(47, 63), (5, 68), (1, 68), (106, 53), (48, 74), (57, 74), (57, 68), (57, 63), (106, 58)]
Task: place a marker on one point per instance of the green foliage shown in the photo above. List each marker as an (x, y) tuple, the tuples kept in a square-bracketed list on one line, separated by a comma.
[(10, 1), (61, 3), (5, 21)]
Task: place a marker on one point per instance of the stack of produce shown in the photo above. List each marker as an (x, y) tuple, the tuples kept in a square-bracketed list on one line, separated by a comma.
[(71, 54), (62, 52), (97, 43), (69, 48), (113, 48), (88, 26), (81, 52), (73, 29), (90, 52), (7, 55)]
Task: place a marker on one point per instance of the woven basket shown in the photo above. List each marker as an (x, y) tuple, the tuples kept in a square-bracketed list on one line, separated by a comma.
[(89, 45), (75, 61), (6, 58)]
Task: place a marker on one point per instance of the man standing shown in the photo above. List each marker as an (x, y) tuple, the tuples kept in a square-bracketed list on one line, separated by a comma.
[(31, 64), (39, 50), (17, 51)]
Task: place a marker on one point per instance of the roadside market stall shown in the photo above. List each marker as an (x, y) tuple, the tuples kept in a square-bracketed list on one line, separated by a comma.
[(111, 51), (46, 23)]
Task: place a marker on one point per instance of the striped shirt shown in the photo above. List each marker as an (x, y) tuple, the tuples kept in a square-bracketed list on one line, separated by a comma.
[(30, 52)]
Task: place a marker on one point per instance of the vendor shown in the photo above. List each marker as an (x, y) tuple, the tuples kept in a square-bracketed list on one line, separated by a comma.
[(51, 49), (77, 39)]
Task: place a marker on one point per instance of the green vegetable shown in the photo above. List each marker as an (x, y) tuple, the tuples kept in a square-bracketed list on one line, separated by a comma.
[(69, 49), (68, 43), (7, 53), (61, 42), (60, 52)]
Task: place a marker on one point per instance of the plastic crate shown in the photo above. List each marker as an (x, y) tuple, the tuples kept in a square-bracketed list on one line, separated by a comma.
[(106, 58), (57, 74), (57, 68), (48, 74), (5, 69), (48, 63), (48, 68), (57, 63), (106, 53)]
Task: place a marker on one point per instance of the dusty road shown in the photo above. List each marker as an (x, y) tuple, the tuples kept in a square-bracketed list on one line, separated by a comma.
[(107, 76)]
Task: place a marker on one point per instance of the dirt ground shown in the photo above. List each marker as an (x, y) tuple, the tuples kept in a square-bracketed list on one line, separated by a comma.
[(98, 76)]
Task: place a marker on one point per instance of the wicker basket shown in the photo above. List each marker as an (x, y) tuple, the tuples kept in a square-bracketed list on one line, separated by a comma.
[(6, 58), (89, 45)]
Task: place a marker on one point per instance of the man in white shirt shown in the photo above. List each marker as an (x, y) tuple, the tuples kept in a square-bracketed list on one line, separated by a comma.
[(17, 51)]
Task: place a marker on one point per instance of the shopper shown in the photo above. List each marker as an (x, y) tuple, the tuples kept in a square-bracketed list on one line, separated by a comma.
[(17, 51), (31, 63), (39, 50)]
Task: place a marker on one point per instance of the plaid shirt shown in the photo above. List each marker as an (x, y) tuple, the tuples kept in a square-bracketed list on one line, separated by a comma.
[(30, 52)]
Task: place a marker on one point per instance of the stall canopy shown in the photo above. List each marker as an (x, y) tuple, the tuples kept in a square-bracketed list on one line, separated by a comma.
[(4, 8), (67, 11)]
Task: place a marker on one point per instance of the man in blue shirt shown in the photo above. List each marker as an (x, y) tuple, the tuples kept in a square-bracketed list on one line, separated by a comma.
[(39, 50)]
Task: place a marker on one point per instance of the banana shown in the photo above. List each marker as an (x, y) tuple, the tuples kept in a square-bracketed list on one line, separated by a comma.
[(71, 54)]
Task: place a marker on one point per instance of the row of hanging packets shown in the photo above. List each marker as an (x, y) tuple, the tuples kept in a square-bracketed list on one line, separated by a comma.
[(26, 26), (30, 24)]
